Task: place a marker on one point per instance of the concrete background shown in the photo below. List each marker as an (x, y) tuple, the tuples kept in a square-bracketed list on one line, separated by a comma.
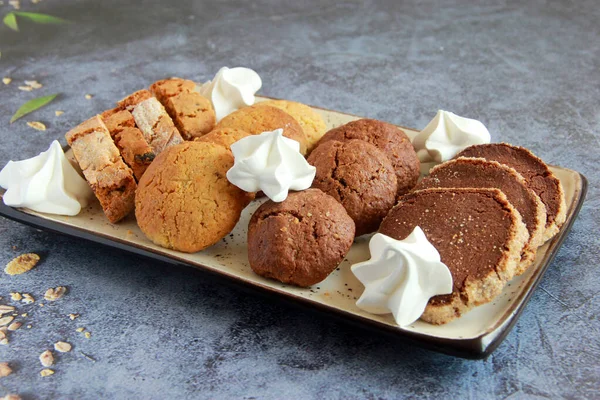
[(529, 72)]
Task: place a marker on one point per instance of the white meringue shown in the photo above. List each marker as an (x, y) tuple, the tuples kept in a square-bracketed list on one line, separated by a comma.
[(401, 276), (231, 89), (272, 163), (46, 183), (447, 135)]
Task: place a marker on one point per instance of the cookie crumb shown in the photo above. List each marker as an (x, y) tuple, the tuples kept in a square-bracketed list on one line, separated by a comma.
[(4, 309), (88, 335), (73, 316), (24, 315), (11, 396), (28, 299), (5, 369), (14, 326), (4, 341), (33, 84), (46, 372), (80, 329), (58, 113), (37, 125), (63, 347), (56, 293), (22, 263), (15, 296), (15, 3), (88, 96), (46, 358), (6, 81), (6, 320), (25, 88)]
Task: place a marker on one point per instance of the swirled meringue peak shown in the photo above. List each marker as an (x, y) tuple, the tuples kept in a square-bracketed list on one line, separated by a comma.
[(231, 89), (401, 276), (272, 163), (446, 135), (46, 183)]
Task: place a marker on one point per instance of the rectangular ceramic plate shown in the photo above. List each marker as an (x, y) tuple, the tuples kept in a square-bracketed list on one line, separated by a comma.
[(474, 335)]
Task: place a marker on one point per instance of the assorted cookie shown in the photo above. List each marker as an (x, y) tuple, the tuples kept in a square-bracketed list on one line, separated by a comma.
[(301, 240)]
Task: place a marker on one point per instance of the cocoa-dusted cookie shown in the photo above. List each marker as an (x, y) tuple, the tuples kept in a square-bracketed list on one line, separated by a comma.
[(301, 240), (313, 125), (192, 113), (259, 118), (184, 200), (225, 136), (359, 176), (478, 234), (538, 176), (480, 173), (388, 138)]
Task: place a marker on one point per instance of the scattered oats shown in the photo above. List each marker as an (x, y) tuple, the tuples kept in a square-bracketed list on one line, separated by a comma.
[(14, 326), (34, 84), (4, 309), (5, 370), (11, 396), (46, 372), (46, 358), (63, 347), (6, 81), (26, 88), (56, 293), (73, 316), (6, 320), (88, 335), (28, 299), (22, 263), (58, 113), (80, 329), (15, 296), (88, 96), (37, 125)]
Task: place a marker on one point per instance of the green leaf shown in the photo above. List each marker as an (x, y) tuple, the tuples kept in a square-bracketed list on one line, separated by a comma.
[(40, 18), (10, 20), (31, 106)]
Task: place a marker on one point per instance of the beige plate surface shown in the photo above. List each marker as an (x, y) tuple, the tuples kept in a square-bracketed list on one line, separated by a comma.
[(470, 335)]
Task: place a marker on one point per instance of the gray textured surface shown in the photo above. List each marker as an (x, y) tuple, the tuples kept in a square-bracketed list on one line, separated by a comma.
[(529, 72)]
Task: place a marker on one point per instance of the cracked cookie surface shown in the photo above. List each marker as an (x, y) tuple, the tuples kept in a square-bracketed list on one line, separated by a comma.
[(184, 200), (301, 240), (360, 177)]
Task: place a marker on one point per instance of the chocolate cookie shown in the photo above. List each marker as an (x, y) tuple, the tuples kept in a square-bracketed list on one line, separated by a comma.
[(184, 200), (301, 240), (260, 118), (478, 234), (388, 138), (360, 177), (480, 173), (538, 176)]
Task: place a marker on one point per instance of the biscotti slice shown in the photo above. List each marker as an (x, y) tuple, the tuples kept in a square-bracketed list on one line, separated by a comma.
[(109, 177), (134, 149), (192, 113), (481, 173), (538, 176), (479, 235), (152, 119)]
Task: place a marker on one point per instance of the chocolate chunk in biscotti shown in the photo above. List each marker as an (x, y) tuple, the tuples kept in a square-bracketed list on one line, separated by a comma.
[(301, 240), (480, 173), (538, 176), (478, 234), (388, 138), (152, 119), (130, 141), (109, 177), (360, 177), (192, 113)]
